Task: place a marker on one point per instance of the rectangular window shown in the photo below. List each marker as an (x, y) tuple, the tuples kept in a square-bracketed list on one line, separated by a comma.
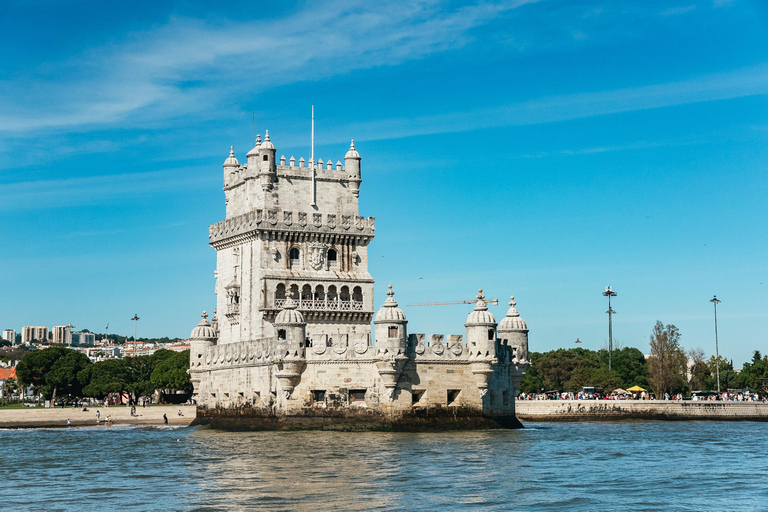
[(318, 395), (357, 395), (393, 331), (453, 395)]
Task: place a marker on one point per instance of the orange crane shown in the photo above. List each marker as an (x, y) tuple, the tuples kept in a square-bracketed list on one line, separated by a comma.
[(480, 296)]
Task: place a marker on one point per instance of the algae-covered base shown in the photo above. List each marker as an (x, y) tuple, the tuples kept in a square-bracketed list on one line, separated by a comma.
[(417, 420)]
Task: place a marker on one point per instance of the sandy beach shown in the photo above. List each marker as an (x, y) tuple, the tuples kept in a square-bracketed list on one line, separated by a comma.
[(35, 417)]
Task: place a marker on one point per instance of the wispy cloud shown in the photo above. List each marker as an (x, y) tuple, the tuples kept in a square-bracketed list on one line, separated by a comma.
[(719, 86), (190, 64), (97, 189)]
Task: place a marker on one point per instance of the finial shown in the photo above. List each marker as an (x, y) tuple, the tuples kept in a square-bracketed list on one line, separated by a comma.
[(480, 295), (231, 151), (389, 291), (512, 300), (352, 145), (204, 315), (258, 140), (266, 136)]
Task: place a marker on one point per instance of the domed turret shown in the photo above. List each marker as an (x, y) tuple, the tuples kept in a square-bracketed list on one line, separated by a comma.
[(352, 167), (390, 326), (267, 164), (514, 330), (291, 331), (231, 161), (481, 329), (202, 337)]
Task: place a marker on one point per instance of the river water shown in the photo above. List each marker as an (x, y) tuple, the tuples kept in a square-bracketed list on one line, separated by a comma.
[(548, 466)]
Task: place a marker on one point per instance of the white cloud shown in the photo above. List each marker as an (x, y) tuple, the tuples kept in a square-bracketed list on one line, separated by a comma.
[(158, 71)]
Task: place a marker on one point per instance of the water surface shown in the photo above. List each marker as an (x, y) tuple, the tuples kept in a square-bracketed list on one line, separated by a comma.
[(554, 466)]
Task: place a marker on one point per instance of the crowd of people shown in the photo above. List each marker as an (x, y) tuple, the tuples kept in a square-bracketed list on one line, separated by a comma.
[(728, 396)]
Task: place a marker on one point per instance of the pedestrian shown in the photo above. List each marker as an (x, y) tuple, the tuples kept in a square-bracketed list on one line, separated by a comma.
[(165, 418), (69, 423), (98, 415)]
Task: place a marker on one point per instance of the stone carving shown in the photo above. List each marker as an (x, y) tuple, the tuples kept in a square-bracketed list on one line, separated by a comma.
[(316, 255), (287, 218), (303, 219), (317, 219)]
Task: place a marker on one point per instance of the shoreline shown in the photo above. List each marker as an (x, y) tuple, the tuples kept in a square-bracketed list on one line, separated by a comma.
[(35, 417), (639, 410)]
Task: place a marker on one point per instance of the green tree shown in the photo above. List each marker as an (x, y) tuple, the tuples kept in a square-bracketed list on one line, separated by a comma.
[(171, 373), (700, 374), (106, 377), (53, 370), (754, 374), (667, 366)]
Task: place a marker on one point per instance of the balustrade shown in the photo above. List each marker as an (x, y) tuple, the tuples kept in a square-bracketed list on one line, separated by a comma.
[(324, 305)]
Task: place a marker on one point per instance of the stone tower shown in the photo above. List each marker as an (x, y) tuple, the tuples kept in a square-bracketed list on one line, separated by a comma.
[(293, 231)]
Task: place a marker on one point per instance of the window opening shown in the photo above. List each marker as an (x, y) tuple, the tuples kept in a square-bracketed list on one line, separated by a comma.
[(416, 396), (318, 395), (453, 394), (357, 395), (281, 334), (393, 331), (491, 335)]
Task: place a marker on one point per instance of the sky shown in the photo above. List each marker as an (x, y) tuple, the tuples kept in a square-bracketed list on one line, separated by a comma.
[(543, 149)]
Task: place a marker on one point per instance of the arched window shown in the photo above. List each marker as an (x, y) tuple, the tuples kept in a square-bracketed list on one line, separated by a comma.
[(280, 291), (392, 331), (344, 294), (333, 295), (333, 258), (295, 291), (319, 292), (491, 334), (357, 294), (306, 292)]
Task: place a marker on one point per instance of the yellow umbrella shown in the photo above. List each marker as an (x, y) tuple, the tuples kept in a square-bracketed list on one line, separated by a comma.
[(635, 389)]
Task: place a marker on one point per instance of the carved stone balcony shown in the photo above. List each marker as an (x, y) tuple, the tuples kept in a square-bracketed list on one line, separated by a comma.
[(324, 305)]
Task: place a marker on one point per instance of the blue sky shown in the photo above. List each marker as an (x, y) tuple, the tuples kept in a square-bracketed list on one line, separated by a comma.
[(545, 149)]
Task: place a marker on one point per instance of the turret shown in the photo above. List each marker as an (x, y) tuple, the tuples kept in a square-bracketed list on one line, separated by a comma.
[(202, 337), (230, 166), (267, 165), (390, 327), (481, 330), (352, 167), (391, 339), (514, 331), (290, 336)]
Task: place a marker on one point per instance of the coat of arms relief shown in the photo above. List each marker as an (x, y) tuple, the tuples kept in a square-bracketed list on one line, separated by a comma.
[(316, 255)]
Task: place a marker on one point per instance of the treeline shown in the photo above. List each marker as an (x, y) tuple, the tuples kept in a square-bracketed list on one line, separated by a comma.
[(61, 372), (667, 370)]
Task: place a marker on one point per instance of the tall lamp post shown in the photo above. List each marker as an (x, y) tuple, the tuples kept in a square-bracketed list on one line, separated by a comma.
[(610, 293), (715, 301), (135, 326)]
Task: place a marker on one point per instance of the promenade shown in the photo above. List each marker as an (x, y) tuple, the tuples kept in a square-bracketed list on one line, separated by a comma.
[(35, 417), (613, 410)]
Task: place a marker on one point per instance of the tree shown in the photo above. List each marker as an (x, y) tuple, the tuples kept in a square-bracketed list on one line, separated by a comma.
[(667, 364), (700, 374), (630, 366), (106, 377), (171, 372), (53, 369)]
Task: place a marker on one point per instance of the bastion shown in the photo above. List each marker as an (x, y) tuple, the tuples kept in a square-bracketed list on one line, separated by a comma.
[(290, 344)]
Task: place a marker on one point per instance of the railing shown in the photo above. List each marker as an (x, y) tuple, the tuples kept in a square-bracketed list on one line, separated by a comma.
[(233, 309), (324, 305)]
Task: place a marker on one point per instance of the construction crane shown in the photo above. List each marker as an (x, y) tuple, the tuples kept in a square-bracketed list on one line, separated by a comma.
[(480, 296)]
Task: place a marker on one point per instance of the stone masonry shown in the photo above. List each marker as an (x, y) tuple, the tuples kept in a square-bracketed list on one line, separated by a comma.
[(290, 345)]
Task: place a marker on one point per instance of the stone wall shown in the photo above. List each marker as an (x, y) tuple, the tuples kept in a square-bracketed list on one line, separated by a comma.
[(610, 410)]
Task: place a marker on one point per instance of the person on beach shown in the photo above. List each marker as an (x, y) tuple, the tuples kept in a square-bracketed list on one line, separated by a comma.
[(69, 423), (165, 419), (98, 415)]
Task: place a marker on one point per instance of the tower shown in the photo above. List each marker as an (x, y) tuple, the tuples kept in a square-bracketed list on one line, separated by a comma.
[(280, 241), (513, 331)]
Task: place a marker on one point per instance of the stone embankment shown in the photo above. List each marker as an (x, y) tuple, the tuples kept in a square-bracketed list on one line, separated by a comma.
[(618, 410), (36, 417)]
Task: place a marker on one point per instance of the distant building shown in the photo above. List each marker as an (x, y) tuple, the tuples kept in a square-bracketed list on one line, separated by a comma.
[(62, 335), (83, 338), (5, 375), (10, 335), (31, 333)]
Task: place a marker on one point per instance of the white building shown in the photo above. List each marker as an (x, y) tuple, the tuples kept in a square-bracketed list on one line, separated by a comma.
[(31, 333), (62, 335), (10, 335)]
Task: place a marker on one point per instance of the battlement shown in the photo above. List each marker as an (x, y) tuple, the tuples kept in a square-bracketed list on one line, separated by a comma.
[(278, 220)]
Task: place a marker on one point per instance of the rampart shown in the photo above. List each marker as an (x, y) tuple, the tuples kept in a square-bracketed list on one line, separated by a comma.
[(627, 410)]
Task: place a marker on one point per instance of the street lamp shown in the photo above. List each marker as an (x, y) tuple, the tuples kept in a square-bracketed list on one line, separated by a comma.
[(610, 293), (715, 301), (135, 326)]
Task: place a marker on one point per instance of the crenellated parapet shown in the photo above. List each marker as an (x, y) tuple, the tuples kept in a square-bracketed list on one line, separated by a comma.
[(290, 221)]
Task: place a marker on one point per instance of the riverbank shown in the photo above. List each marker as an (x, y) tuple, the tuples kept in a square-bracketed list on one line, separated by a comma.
[(121, 415), (619, 410)]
